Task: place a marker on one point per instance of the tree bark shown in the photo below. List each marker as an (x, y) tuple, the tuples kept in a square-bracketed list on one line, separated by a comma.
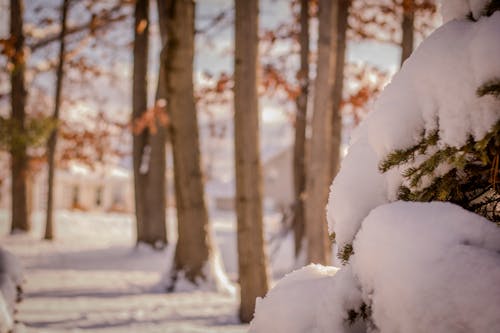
[(139, 105), (319, 166), (52, 142), (193, 248), (299, 151), (338, 86), (252, 263), (407, 28), (148, 147), (19, 158)]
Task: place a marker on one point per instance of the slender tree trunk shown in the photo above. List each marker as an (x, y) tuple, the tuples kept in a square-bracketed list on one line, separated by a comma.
[(154, 219), (338, 86), (148, 148), (52, 142), (407, 29), (299, 151), (19, 157), (319, 164), (193, 248), (252, 263)]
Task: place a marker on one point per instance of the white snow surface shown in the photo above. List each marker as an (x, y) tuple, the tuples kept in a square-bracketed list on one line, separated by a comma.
[(429, 267), (435, 89), (94, 279)]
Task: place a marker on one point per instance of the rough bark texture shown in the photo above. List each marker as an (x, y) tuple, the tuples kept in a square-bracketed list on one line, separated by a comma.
[(52, 142), (252, 263), (19, 157), (193, 245), (318, 176), (299, 151), (407, 29), (148, 147), (338, 86)]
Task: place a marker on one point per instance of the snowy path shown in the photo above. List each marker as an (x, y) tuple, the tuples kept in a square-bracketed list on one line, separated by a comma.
[(82, 284)]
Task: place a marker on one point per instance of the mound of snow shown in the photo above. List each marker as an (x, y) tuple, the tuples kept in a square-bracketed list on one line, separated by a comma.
[(314, 298), (11, 278), (11, 266), (6, 321), (421, 267), (435, 89), (429, 267)]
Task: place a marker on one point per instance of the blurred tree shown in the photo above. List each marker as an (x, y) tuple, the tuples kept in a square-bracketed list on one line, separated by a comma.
[(338, 85), (52, 142), (299, 152), (193, 249), (252, 262), (141, 152), (19, 157), (148, 144), (319, 165), (407, 28)]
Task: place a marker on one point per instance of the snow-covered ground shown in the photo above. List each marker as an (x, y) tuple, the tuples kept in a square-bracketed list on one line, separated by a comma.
[(93, 278)]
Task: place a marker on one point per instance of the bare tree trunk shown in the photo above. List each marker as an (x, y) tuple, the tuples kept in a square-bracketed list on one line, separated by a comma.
[(52, 142), (338, 86), (139, 105), (193, 245), (299, 151), (154, 219), (407, 29), (19, 157), (319, 164), (148, 147), (252, 263)]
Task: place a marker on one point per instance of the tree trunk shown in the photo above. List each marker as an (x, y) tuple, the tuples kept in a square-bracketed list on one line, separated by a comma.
[(148, 148), (407, 29), (319, 165), (52, 142), (299, 151), (252, 263), (19, 157), (139, 105), (338, 86), (193, 244), (154, 219)]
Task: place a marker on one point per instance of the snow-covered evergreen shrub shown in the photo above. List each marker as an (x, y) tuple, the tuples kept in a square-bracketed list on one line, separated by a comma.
[(416, 266)]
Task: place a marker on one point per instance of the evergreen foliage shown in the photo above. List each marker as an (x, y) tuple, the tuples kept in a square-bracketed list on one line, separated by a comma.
[(471, 172)]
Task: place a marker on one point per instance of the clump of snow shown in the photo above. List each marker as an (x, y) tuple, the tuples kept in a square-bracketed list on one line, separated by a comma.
[(362, 177), (314, 298), (11, 266), (429, 267), (435, 89), (11, 279), (6, 321), (459, 9), (292, 305)]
